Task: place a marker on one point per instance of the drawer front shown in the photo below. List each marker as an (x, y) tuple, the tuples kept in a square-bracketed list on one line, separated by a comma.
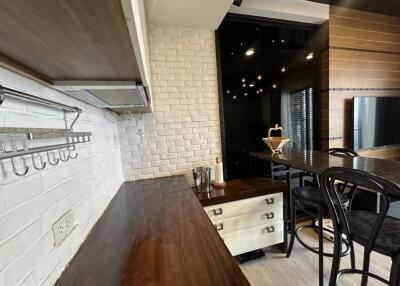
[(217, 212), (246, 240), (244, 221)]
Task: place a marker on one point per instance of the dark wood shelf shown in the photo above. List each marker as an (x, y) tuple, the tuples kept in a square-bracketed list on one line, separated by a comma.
[(240, 189)]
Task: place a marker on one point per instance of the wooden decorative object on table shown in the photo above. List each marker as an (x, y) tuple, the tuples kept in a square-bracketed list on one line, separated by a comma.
[(276, 143)]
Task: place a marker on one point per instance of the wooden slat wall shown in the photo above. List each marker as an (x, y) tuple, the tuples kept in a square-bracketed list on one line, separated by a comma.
[(324, 56), (363, 59)]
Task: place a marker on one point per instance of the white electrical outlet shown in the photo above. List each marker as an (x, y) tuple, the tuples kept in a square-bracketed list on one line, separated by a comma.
[(63, 227)]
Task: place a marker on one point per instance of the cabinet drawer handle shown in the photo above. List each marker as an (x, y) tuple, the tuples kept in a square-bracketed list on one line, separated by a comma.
[(217, 211), (219, 226), (270, 215), (270, 201), (270, 229)]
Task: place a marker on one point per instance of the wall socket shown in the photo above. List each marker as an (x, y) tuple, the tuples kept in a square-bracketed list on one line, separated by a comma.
[(63, 227)]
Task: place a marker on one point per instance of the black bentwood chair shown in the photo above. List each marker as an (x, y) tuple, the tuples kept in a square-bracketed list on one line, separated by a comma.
[(343, 152), (311, 201), (344, 187), (375, 232)]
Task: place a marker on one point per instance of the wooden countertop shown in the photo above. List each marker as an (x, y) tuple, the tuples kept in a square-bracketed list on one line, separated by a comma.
[(240, 189), (154, 232)]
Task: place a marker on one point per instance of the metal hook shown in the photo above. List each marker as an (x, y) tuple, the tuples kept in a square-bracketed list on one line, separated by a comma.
[(43, 164), (55, 161), (72, 157), (63, 157), (15, 169)]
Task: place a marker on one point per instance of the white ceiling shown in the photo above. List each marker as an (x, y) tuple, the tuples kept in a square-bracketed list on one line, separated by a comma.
[(292, 10), (195, 14)]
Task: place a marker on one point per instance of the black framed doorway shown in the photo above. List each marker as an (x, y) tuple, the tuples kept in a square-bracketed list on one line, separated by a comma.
[(239, 103)]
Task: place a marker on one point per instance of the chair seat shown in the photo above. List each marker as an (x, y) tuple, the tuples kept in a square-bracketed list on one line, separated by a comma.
[(313, 196), (388, 240)]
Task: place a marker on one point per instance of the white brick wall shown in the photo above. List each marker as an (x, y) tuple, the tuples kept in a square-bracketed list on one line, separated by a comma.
[(184, 130), (30, 205)]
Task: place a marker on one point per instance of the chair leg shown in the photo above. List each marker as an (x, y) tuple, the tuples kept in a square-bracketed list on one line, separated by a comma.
[(352, 254), (395, 271), (301, 179), (292, 225), (337, 255), (367, 254), (321, 245)]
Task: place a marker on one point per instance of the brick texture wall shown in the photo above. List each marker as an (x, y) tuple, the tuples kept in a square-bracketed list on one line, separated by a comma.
[(184, 130), (30, 205)]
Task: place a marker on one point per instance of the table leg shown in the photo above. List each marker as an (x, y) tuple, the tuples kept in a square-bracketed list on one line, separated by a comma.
[(286, 210)]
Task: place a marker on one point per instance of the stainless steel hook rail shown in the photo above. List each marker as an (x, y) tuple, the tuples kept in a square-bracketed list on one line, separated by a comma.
[(14, 141), (64, 151), (69, 146), (9, 92), (42, 133), (5, 91)]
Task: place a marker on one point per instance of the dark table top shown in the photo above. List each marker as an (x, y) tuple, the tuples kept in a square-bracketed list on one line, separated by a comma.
[(240, 189), (318, 161), (154, 232)]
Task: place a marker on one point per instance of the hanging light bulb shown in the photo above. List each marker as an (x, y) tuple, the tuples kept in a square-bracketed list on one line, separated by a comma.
[(250, 52)]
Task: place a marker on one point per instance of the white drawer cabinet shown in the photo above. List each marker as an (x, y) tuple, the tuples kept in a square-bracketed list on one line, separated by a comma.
[(251, 205), (249, 224), (248, 214), (230, 224), (249, 239)]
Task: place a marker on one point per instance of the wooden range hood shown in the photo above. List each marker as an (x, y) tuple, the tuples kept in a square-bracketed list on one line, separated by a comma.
[(64, 42)]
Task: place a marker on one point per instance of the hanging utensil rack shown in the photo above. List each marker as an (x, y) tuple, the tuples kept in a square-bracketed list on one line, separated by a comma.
[(15, 142)]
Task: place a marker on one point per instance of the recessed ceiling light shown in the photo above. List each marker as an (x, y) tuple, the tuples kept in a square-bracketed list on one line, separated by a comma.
[(310, 56), (231, 53), (261, 90), (273, 41), (250, 52), (243, 80), (244, 85), (257, 91), (259, 77), (241, 44), (228, 91), (234, 97), (274, 85), (245, 94), (283, 69), (251, 84), (282, 41)]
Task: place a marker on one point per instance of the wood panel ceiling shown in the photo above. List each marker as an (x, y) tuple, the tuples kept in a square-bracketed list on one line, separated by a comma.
[(67, 40)]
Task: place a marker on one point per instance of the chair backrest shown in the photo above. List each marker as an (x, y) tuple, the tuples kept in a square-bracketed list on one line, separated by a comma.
[(357, 179), (343, 152)]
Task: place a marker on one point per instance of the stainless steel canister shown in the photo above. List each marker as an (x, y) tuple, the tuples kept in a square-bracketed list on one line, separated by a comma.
[(202, 179)]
